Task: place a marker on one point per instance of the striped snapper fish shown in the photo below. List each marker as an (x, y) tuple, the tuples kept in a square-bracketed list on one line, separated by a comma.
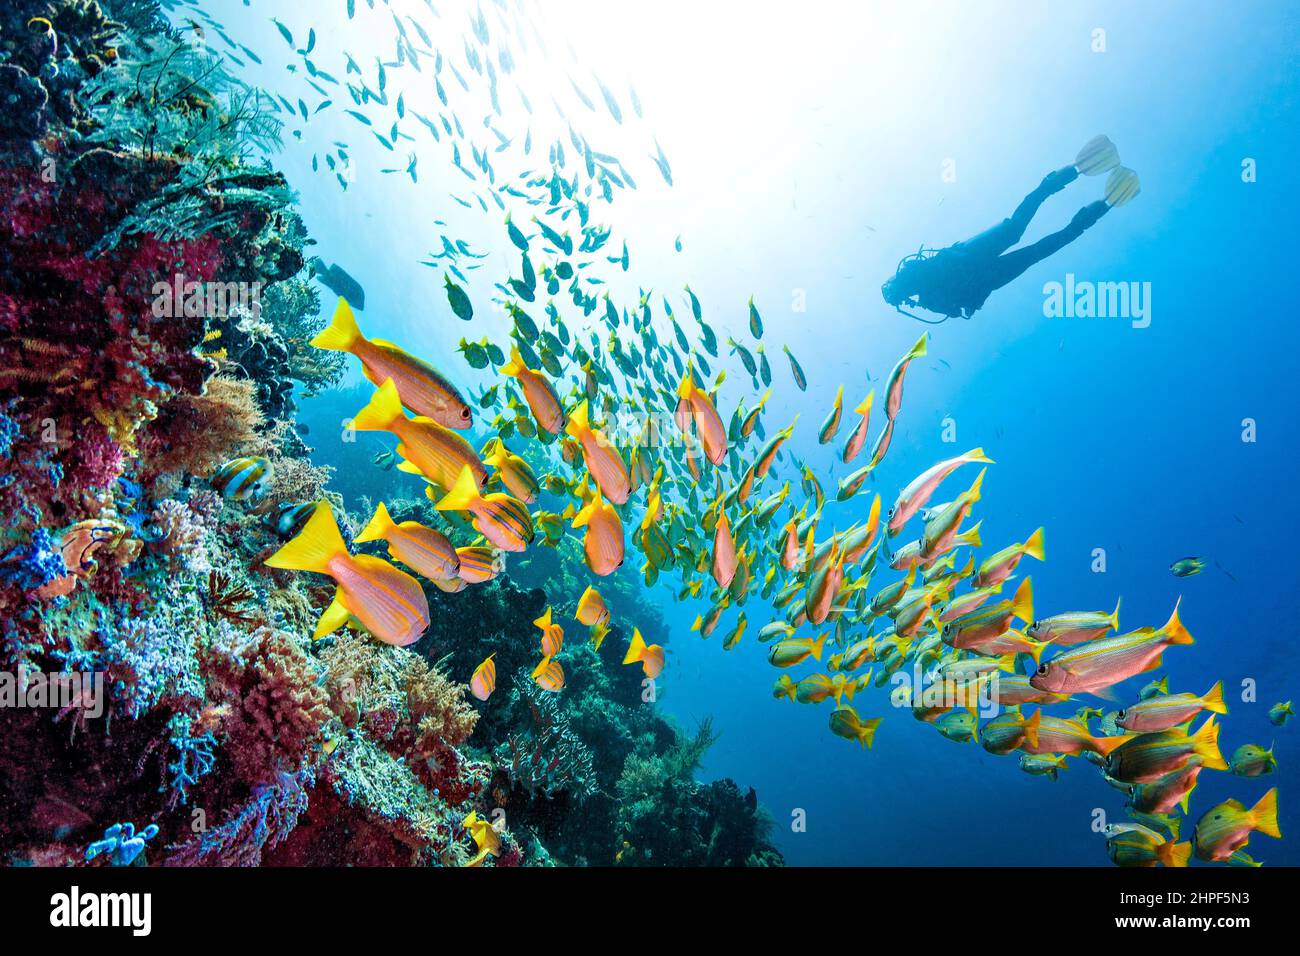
[(426, 550), (602, 544), (1161, 713), (477, 564), (429, 449), (389, 603), (1053, 735), (1098, 664), (1148, 757), (1075, 627), (244, 479), (423, 388), (503, 520)]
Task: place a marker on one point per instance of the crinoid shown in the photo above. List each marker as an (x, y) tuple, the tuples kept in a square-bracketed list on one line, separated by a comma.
[(228, 600)]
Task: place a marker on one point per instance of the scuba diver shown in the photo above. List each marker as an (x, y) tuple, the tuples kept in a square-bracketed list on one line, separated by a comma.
[(957, 280)]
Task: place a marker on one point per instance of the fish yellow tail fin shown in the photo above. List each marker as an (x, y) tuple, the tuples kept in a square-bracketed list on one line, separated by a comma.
[(463, 494), (867, 731), (335, 616), (1264, 814), (1174, 630), (545, 620), (379, 527), (1034, 546), (973, 492), (970, 538), (1022, 605), (918, 350), (1114, 615), (579, 422), (316, 545), (977, 454), (635, 650), (865, 407), (515, 367), (818, 645), (384, 408), (1105, 745), (1174, 854), (541, 666), (699, 623), (1213, 699), (1205, 742), (1031, 728), (342, 334)]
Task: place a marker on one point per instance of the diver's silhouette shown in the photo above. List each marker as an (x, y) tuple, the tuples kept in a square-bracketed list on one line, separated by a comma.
[(957, 280)]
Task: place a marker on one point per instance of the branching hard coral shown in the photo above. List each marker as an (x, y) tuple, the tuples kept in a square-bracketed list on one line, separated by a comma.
[(278, 710), (178, 535)]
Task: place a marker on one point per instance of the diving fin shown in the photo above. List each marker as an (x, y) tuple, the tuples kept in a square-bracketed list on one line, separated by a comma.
[(1121, 186), (1098, 156)]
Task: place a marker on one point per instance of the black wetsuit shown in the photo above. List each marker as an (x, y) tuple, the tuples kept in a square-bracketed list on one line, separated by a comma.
[(957, 280)]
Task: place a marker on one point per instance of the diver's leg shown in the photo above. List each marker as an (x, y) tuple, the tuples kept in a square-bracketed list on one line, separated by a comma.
[(1012, 264), (1007, 233)]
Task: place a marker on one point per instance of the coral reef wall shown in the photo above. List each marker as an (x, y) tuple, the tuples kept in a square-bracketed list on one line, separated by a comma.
[(154, 318)]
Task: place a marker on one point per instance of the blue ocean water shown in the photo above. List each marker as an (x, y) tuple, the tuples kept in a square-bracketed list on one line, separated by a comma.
[(813, 146)]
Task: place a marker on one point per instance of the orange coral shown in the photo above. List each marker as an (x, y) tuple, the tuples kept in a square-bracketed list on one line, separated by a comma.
[(196, 433)]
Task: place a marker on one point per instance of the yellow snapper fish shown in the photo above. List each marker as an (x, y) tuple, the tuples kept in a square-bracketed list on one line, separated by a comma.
[(484, 680), (514, 472), (1004, 733), (1075, 627), (914, 497), (549, 675), (1146, 758), (831, 427), (894, 386), (784, 687), (1132, 844), (424, 390), (426, 550), (1161, 713), (1045, 734), (858, 437), (732, 639), (649, 656), (823, 586), (1046, 765), (816, 688), (975, 628), (501, 519), (592, 609), (705, 623), (389, 603), (479, 564), (1226, 828), (538, 393), (1000, 566), (846, 723), (1097, 665), (725, 560), (430, 448), (942, 527), (963, 604), (552, 634), (602, 544), (603, 461), (796, 650), (485, 837), (708, 424), (1165, 793)]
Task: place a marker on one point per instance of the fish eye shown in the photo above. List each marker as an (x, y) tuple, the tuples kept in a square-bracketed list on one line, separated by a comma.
[(1042, 669), (1120, 715), (464, 413)]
